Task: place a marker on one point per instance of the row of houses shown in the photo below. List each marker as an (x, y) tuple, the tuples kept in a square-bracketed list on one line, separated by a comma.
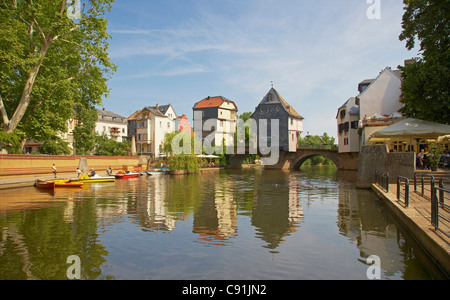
[(375, 107), (147, 127)]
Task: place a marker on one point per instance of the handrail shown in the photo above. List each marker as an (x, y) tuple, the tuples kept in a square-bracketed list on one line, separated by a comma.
[(399, 182), (437, 202), (382, 180), (422, 181)]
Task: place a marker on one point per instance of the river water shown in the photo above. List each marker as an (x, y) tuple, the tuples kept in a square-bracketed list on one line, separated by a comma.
[(224, 224)]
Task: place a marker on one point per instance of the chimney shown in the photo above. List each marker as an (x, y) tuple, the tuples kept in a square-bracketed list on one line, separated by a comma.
[(409, 61), (103, 108)]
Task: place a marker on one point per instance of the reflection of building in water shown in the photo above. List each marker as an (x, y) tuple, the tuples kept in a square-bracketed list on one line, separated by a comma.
[(295, 209), (277, 212), (215, 218), (151, 206), (373, 235)]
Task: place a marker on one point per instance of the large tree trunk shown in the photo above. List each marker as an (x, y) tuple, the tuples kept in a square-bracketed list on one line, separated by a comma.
[(26, 94)]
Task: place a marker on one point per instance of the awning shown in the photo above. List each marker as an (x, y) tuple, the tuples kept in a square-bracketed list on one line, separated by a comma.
[(412, 128)]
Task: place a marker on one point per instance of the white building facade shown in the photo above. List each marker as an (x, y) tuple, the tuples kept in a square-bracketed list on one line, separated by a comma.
[(152, 124), (375, 107), (114, 126)]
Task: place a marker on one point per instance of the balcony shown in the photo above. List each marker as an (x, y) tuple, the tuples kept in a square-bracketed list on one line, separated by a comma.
[(115, 131)]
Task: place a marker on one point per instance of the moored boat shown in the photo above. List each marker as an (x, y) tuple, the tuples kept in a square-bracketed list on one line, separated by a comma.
[(66, 183), (123, 175), (95, 178), (41, 184), (158, 172)]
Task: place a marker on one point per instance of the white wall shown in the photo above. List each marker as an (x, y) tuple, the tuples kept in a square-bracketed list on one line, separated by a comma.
[(382, 96)]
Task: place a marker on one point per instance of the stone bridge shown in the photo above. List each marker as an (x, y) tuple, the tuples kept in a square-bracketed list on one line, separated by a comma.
[(294, 160)]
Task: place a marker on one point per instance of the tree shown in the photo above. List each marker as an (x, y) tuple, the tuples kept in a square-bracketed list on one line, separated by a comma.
[(108, 147), (51, 63), (426, 82), (317, 142)]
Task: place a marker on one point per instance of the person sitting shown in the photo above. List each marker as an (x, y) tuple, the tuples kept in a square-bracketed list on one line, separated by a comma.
[(92, 172)]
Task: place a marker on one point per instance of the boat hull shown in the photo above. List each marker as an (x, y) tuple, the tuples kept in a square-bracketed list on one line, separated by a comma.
[(123, 175), (66, 183), (41, 184), (87, 179)]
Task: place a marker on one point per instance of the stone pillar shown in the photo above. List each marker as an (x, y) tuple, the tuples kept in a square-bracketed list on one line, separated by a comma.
[(83, 165)]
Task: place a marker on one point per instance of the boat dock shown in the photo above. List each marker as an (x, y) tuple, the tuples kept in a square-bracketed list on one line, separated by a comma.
[(421, 205)]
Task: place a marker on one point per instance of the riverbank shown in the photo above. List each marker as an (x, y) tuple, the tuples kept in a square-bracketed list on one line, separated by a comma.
[(12, 165), (17, 181)]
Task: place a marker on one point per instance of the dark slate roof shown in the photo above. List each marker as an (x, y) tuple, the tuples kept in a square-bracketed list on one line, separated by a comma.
[(273, 97), (106, 115)]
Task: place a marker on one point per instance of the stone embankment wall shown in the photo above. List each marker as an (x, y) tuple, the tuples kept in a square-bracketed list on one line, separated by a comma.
[(12, 164), (377, 157)]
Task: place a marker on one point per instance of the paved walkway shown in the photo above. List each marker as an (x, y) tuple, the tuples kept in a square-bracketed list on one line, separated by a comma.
[(7, 182), (417, 220)]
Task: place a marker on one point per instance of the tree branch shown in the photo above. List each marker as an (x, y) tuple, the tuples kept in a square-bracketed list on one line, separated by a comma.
[(3, 111)]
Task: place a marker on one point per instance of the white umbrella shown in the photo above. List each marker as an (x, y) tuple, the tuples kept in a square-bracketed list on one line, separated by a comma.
[(413, 128)]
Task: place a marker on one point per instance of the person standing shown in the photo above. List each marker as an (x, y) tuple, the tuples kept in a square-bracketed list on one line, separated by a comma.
[(54, 170)]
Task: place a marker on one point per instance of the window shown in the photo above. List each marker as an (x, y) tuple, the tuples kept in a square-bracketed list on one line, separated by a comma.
[(292, 121), (168, 125)]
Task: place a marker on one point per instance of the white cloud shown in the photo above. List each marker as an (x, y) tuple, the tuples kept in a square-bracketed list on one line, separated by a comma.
[(314, 52)]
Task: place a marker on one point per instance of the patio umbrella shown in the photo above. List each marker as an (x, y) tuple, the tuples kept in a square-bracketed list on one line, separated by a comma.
[(412, 128)]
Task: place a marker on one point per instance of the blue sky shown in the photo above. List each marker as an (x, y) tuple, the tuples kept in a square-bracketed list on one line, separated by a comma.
[(314, 52)]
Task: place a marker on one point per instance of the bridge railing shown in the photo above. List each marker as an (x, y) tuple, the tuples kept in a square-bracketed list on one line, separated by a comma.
[(319, 147)]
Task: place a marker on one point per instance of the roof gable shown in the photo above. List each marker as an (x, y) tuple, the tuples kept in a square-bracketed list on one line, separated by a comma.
[(273, 97), (216, 101)]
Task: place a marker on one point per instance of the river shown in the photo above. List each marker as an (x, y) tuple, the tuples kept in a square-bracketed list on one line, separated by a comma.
[(224, 224)]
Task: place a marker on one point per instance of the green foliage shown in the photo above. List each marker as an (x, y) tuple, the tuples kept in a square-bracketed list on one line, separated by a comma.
[(55, 146), (317, 142), (84, 134), (51, 64), (184, 162), (107, 147), (426, 83), (11, 142)]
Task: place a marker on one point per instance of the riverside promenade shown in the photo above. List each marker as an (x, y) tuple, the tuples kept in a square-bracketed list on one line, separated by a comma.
[(416, 217), (15, 181)]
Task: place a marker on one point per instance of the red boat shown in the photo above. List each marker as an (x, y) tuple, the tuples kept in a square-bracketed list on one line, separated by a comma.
[(41, 184), (123, 175)]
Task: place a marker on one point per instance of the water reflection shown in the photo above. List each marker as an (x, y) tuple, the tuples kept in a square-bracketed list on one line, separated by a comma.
[(308, 219)]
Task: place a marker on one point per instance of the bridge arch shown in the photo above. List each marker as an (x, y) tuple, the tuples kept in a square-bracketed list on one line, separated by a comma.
[(303, 155)]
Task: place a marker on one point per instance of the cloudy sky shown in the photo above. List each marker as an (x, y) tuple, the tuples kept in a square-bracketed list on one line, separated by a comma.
[(314, 52)]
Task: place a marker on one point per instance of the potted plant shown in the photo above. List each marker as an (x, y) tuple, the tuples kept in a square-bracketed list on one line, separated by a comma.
[(435, 152)]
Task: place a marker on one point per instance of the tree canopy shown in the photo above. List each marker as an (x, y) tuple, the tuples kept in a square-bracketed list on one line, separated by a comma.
[(426, 82), (54, 64)]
